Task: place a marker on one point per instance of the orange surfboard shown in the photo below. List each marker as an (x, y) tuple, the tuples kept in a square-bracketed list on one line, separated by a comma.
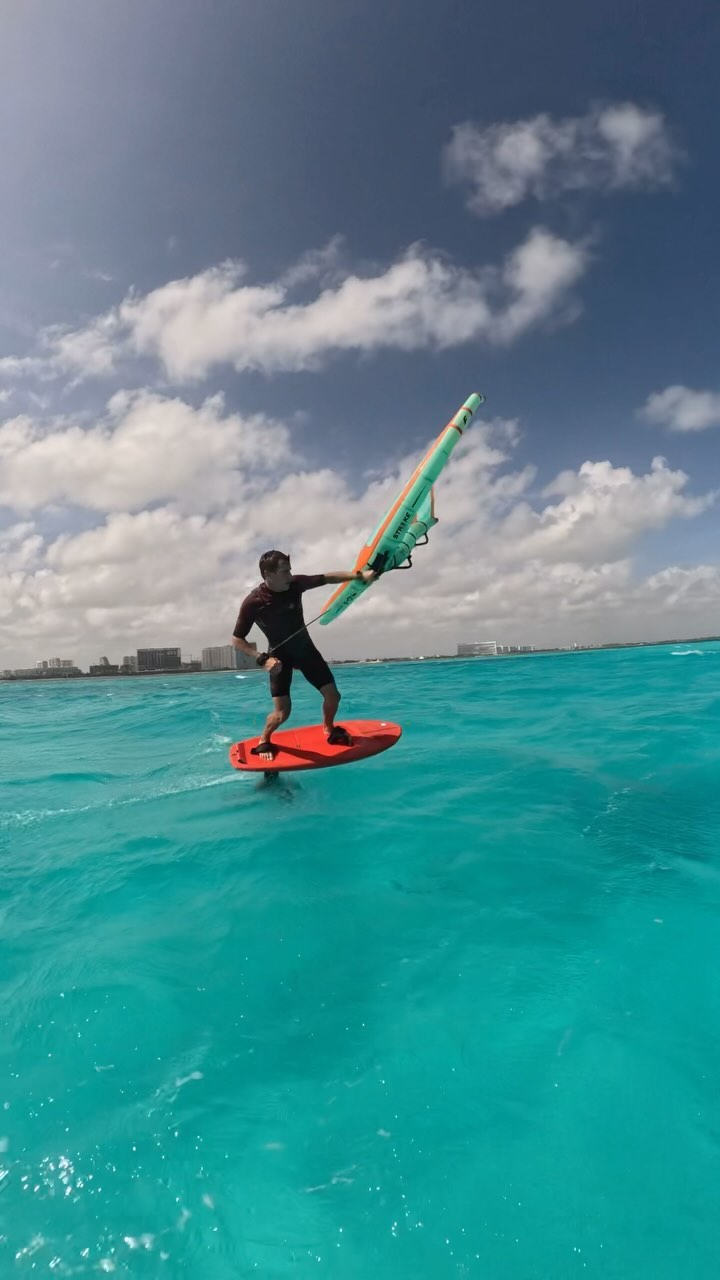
[(308, 748)]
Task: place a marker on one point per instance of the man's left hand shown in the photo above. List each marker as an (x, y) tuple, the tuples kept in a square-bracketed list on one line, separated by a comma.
[(368, 575)]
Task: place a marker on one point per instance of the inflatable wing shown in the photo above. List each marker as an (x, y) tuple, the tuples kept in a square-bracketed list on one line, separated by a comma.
[(410, 517)]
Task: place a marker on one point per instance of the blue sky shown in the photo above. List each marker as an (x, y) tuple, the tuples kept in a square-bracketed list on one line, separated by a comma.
[(145, 144)]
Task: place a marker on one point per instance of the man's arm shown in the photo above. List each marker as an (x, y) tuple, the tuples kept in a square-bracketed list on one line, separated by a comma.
[(309, 581), (245, 622), (250, 650), (351, 575)]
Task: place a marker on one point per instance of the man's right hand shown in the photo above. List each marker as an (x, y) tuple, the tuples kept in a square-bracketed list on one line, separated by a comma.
[(273, 664)]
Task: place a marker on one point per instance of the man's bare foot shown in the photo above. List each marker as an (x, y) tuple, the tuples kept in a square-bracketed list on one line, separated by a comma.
[(339, 737), (265, 750)]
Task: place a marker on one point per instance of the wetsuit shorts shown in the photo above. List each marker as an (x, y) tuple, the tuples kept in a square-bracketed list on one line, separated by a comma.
[(310, 663)]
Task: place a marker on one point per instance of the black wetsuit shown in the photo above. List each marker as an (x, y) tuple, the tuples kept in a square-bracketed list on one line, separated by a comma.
[(279, 615)]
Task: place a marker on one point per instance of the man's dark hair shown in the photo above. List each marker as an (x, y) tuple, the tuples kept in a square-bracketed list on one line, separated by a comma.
[(270, 561)]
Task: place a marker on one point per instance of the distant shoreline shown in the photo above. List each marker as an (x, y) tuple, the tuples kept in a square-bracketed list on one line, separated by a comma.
[(45, 677)]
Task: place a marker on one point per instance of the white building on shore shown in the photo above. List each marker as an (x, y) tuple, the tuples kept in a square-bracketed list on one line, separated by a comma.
[(491, 649), (225, 657)]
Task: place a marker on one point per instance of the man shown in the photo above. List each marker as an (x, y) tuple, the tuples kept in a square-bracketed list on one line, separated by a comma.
[(276, 606)]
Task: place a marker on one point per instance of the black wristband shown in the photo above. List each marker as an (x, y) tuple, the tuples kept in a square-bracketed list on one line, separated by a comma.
[(262, 659)]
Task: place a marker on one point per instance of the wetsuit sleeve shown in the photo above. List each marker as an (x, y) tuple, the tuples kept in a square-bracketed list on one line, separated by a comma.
[(246, 618), (307, 581)]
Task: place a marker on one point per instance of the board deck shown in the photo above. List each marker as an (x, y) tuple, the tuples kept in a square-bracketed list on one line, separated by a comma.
[(307, 747)]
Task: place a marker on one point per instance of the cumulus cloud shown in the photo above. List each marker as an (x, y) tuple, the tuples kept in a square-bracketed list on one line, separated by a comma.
[(681, 409), (88, 352), (601, 512), (504, 562), (20, 545), (22, 366), (612, 147), (421, 302), (147, 449)]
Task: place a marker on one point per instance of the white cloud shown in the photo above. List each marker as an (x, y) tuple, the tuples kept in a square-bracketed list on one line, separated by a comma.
[(20, 544), (612, 147), (682, 409), (147, 449), (540, 275), (88, 352), (601, 512), (503, 563), (420, 302), (316, 264), (22, 366)]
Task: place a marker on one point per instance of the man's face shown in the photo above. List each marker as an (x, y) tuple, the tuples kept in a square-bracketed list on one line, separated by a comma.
[(280, 578)]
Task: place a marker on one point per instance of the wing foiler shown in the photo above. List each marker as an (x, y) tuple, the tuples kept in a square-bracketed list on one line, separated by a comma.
[(411, 516)]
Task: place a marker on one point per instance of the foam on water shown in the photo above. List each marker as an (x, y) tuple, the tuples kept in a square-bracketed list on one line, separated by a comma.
[(452, 1011)]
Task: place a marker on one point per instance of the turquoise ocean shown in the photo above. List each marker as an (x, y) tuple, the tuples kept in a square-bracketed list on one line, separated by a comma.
[(451, 1012)]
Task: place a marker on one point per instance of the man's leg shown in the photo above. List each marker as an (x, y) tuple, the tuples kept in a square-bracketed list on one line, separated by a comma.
[(278, 716), (331, 701), (280, 681), (317, 672)]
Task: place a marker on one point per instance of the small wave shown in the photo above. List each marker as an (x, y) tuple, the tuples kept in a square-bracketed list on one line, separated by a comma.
[(217, 742), (29, 817), (684, 653)]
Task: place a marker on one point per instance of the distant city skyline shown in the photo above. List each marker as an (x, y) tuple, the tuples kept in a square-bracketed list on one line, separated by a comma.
[(480, 651), (145, 660)]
